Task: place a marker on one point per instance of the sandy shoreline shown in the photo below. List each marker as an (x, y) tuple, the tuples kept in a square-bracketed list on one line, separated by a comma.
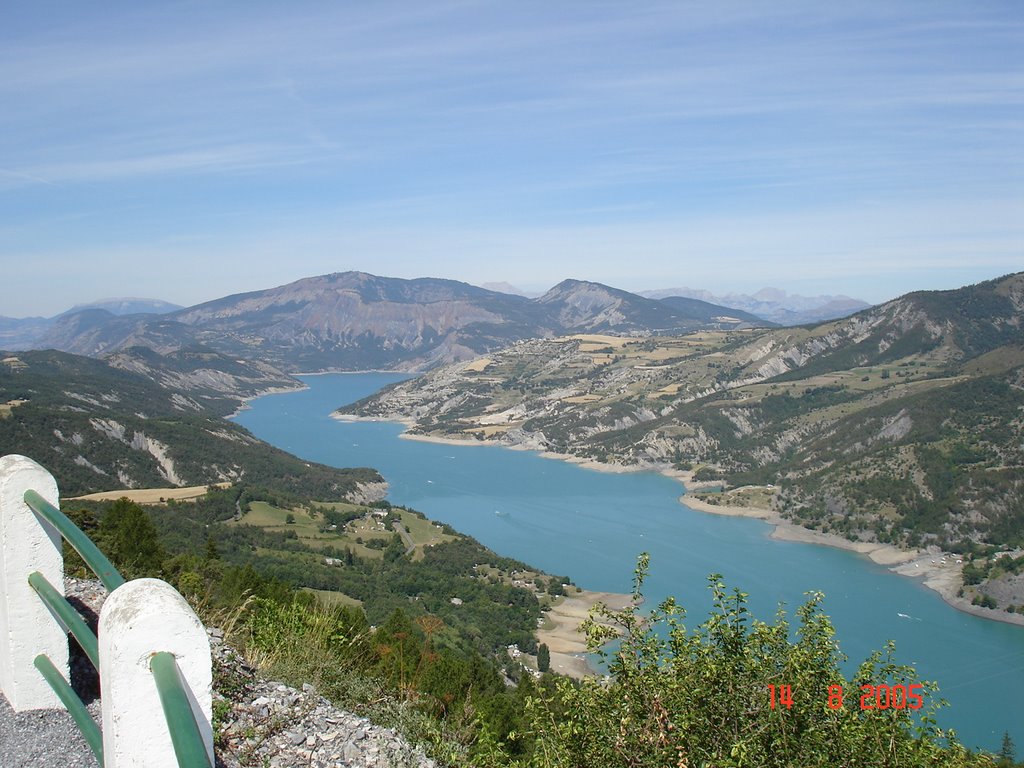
[(271, 391), (403, 421), (568, 646), (883, 554), (940, 571)]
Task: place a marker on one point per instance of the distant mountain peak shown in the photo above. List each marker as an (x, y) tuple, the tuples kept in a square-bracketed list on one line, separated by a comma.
[(773, 304), (583, 305), (771, 294), (504, 287), (357, 321), (127, 306), (572, 284)]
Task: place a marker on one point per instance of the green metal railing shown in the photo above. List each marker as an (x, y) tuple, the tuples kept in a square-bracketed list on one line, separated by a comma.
[(91, 731), (181, 722), (96, 560), (185, 736), (67, 616)]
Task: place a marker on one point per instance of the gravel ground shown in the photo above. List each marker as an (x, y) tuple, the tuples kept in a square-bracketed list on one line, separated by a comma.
[(49, 738), (43, 738)]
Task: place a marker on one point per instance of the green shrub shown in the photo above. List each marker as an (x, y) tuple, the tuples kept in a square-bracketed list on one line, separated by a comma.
[(675, 697)]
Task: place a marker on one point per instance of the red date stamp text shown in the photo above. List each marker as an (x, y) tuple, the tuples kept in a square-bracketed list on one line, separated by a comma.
[(871, 697)]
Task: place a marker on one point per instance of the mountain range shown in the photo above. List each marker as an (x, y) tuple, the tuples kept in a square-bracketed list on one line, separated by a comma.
[(900, 424), (357, 321), (773, 304), (24, 333)]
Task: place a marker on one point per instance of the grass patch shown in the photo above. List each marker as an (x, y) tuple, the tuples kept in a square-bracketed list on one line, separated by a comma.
[(582, 399), (6, 408), (271, 518), (341, 506), (595, 340), (331, 599), (308, 528), (998, 360), (151, 495), (424, 533)]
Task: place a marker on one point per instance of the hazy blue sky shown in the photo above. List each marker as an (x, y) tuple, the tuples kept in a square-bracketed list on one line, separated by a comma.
[(189, 150)]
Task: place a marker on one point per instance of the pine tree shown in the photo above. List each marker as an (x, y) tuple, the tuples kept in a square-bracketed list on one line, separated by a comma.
[(1006, 751), (543, 658), (129, 538)]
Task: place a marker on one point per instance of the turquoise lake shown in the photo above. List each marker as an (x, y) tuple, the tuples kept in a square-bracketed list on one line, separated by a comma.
[(591, 526)]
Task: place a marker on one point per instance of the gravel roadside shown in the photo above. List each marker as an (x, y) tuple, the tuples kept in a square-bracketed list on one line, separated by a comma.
[(43, 738), (49, 738), (265, 722)]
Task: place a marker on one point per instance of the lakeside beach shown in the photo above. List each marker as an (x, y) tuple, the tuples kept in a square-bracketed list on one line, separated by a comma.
[(565, 640)]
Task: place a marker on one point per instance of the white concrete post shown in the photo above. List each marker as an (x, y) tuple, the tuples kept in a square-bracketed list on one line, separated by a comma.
[(27, 628), (138, 619)]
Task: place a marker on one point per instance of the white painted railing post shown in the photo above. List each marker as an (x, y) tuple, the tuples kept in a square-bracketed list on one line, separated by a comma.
[(27, 628), (138, 619)]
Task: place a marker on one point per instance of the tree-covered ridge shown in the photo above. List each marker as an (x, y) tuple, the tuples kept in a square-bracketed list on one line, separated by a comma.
[(487, 614), (97, 428)]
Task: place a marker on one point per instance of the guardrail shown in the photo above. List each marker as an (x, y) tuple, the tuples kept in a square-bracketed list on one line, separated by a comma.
[(152, 652)]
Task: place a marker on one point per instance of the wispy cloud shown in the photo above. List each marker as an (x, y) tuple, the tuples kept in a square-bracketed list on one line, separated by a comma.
[(211, 160), (533, 132)]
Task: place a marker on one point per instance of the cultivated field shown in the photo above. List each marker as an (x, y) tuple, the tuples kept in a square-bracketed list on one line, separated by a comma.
[(357, 535), (151, 495)]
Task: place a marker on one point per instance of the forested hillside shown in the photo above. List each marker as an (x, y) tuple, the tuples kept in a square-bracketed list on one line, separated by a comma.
[(97, 427)]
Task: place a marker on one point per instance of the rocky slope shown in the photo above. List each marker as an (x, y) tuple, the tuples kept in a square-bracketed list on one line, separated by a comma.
[(215, 381), (267, 722), (900, 424)]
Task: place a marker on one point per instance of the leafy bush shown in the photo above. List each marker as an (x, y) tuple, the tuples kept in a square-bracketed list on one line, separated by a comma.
[(675, 697)]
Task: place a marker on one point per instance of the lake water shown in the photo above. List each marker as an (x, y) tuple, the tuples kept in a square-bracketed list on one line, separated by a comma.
[(591, 526)]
